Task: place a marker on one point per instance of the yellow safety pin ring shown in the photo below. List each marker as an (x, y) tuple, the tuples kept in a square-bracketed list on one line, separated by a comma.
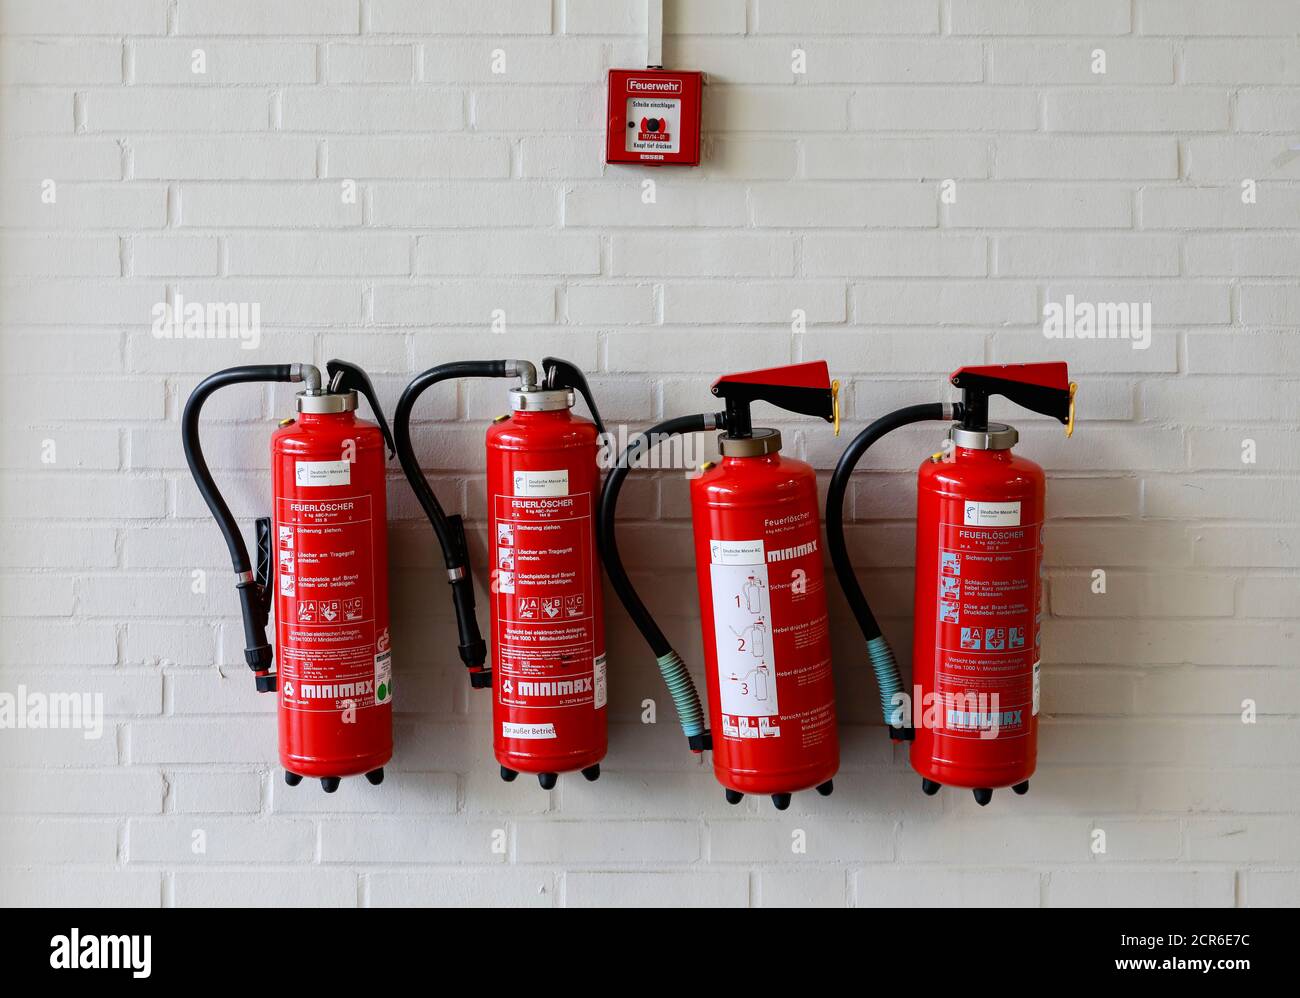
[(835, 405), (1069, 426)]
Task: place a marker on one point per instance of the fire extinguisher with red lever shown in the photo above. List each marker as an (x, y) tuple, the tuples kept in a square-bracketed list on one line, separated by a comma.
[(322, 556), (758, 562), (976, 647), (548, 644)]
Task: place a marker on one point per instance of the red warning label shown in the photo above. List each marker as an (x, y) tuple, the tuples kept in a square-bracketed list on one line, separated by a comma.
[(987, 606), (545, 629), (329, 655)]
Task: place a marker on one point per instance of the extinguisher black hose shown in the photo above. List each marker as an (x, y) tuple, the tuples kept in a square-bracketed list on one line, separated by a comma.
[(450, 530), (680, 685), (254, 597), (882, 656)]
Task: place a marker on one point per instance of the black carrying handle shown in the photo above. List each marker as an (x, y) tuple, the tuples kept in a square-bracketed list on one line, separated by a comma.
[(562, 374), (345, 376), (450, 530), (253, 588)]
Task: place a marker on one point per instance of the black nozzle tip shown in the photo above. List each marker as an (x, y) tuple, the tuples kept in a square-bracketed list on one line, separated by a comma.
[(480, 680), (701, 742), (474, 654), (259, 657), (265, 684), (901, 734)]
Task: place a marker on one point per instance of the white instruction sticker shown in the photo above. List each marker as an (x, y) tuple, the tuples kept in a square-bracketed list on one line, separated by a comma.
[(992, 514), (736, 552), (383, 677), (742, 620), (654, 123), (602, 688), (542, 483), (510, 730), (310, 473)]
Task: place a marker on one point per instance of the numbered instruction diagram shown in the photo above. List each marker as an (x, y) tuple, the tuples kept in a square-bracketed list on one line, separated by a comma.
[(742, 615)]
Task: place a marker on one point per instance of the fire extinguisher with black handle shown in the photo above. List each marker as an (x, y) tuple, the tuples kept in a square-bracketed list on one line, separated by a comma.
[(978, 595), (766, 634), (548, 655), (322, 559)]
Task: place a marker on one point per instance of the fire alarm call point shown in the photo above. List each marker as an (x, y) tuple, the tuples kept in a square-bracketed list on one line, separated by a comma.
[(654, 117)]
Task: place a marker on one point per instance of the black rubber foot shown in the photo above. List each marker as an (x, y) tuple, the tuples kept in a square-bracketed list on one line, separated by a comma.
[(780, 801), (293, 779), (1021, 788), (375, 776), (547, 781), (592, 773), (330, 783), (929, 787), (982, 795), (827, 788), (734, 796), (508, 774)]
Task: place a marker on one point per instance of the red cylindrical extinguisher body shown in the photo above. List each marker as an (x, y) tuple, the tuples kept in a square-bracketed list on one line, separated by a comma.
[(330, 576), (767, 649), (548, 639), (976, 650)]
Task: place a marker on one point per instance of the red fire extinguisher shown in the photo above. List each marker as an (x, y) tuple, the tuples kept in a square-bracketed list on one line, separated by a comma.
[(322, 556), (548, 644), (976, 650), (758, 562)]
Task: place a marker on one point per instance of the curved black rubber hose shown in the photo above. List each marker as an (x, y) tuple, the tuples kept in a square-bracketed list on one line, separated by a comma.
[(835, 504), (450, 530), (627, 593), (194, 451), (254, 600)]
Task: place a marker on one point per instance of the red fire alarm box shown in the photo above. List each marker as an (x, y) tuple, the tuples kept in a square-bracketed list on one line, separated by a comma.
[(654, 117)]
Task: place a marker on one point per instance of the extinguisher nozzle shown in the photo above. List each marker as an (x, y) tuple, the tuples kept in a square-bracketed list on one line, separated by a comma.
[(885, 666), (265, 682), (681, 687), (480, 679)]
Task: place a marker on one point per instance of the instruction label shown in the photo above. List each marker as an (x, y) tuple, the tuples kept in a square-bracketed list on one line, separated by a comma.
[(742, 614), (654, 123), (986, 672), (545, 627), (329, 655)]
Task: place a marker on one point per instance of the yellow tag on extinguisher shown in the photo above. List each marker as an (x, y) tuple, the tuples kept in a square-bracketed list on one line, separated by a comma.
[(835, 404), (1069, 426)]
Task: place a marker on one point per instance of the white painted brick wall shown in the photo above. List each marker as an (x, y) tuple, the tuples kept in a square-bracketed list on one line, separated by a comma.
[(819, 191)]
